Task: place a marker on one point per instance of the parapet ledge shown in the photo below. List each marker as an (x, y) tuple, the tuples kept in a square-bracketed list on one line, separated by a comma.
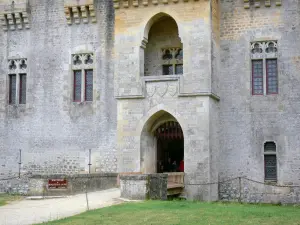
[(257, 3), (14, 14), (80, 10), (136, 3)]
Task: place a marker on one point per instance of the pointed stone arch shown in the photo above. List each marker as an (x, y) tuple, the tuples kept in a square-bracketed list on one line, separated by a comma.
[(148, 140), (154, 18)]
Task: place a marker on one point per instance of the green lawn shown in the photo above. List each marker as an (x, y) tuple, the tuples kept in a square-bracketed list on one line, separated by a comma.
[(187, 213), (6, 198)]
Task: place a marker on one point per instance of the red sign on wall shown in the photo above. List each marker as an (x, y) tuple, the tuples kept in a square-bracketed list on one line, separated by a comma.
[(57, 184)]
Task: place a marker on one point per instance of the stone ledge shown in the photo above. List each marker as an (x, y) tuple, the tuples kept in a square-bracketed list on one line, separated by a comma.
[(134, 177), (74, 176), (136, 3)]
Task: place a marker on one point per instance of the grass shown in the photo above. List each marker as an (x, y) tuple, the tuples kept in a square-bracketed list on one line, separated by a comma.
[(186, 213), (6, 198)]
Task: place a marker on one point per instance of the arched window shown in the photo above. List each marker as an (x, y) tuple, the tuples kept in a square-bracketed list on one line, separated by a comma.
[(163, 53), (270, 160)]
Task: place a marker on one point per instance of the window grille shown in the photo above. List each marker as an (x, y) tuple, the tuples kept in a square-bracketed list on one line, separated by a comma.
[(12, 88), (89, 85), (272, 78), (22, 94), (77, 86), (270, 161), (257, 77)]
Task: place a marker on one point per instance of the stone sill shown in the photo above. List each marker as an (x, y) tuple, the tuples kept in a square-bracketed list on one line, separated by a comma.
[(161, 78), (83, 103), (62, 176)]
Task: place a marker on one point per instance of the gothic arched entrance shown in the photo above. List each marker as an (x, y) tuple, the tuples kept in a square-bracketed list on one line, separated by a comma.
[(170, 147), (162, 143)]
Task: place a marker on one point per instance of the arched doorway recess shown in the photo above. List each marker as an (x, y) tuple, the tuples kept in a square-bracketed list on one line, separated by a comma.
[(170, 145), (162, 139)]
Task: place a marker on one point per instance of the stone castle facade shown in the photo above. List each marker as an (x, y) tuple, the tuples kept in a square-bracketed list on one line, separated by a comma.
[(89, 82)]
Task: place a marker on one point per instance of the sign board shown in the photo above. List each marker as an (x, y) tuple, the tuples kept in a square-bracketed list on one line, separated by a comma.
[(57, 184)]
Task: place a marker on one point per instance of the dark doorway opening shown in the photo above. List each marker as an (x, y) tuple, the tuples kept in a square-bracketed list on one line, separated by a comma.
[(170, 147)]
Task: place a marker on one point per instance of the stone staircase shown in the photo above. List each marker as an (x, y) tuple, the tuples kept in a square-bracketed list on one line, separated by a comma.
[(175, 183)]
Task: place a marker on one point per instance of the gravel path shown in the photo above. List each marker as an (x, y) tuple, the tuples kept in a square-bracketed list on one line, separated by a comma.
[(37, 211)]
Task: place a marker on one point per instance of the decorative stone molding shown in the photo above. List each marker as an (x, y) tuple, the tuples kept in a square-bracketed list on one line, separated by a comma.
[(256, 3), (80, 10), (14, 14), (82, 61), (174, 90), (17, 66), (264, 49), (136, 3)]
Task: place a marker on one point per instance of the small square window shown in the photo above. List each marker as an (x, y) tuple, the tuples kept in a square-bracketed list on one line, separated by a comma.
[(167, 69)]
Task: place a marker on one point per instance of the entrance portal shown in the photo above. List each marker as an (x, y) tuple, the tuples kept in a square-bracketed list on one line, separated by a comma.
[(170, 147)]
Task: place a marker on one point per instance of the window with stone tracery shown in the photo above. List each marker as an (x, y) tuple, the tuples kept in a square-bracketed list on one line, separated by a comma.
[(82, 66), (172, 61), (17, 75), (264, 67)]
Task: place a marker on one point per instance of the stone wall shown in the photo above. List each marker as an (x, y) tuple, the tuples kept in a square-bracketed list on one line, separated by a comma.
[(37, 185), (54, 133), (249, 191), (144, 187), (247, 121)]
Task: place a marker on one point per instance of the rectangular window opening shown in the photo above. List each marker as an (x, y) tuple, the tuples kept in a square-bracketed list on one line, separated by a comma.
[(257, 77), (89, 85), (77, 86), (270, 168), (179, 69), (22, 93), (272, 76), (12, 88), (167, 69)]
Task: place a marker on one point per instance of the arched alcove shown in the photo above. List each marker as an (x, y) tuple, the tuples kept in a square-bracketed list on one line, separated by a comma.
[(161, 138), (163, 54)]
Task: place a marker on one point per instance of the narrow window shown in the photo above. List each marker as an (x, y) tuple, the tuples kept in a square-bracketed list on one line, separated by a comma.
[(167, 69), (179, 69), (89, 85), (22, 94), (270, 161), (272, 78), (12, 88), (77, 86), (257, 77)]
